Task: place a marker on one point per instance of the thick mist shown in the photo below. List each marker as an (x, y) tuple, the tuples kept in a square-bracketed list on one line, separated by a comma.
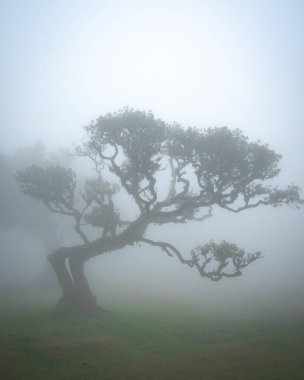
[(200, 64)]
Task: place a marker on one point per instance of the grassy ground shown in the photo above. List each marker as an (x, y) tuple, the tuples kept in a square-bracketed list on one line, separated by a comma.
[(149, 340)]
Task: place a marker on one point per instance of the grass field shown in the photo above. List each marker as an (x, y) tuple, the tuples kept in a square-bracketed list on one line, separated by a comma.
[(149, 340)]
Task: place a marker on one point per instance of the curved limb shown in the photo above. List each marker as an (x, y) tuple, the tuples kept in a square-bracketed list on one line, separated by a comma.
[(169, 249), (219, 255)]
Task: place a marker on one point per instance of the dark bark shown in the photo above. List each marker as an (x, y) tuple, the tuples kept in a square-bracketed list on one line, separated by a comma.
[(68, 264), (76, 294), (84, 300), (63, 276)]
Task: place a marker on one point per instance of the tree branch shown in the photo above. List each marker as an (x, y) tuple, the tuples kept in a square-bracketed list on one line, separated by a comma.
[(169, 249)]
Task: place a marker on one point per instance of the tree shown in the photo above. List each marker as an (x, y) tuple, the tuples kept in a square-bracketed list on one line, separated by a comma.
[(18, 211), (172, 175), (25, 216)]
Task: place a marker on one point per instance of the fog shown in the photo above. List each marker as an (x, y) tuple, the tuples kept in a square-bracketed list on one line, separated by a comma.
[(199, 63)]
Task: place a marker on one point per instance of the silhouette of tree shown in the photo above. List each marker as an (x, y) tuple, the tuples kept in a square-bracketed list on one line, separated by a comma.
[(172, 175)]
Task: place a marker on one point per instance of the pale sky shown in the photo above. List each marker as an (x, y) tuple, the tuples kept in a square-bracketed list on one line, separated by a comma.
[(202, 63)]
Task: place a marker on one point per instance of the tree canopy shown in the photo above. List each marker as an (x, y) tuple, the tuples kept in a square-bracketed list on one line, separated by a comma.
[(171, 174)]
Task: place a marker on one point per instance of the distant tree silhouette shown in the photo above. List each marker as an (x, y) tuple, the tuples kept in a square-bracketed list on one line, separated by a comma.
[(18, 211)]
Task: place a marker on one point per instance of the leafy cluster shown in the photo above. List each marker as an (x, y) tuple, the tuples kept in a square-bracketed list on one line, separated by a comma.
[(54, 185), (216, 261)]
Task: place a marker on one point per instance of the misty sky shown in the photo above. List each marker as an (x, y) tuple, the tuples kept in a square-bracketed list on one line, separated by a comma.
[(200, 63)]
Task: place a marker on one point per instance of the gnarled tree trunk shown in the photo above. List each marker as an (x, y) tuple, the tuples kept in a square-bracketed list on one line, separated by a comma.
[(76, 293), (68, 264)]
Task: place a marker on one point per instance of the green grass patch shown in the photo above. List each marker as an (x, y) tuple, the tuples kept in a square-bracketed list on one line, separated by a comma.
[(149, 340)]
